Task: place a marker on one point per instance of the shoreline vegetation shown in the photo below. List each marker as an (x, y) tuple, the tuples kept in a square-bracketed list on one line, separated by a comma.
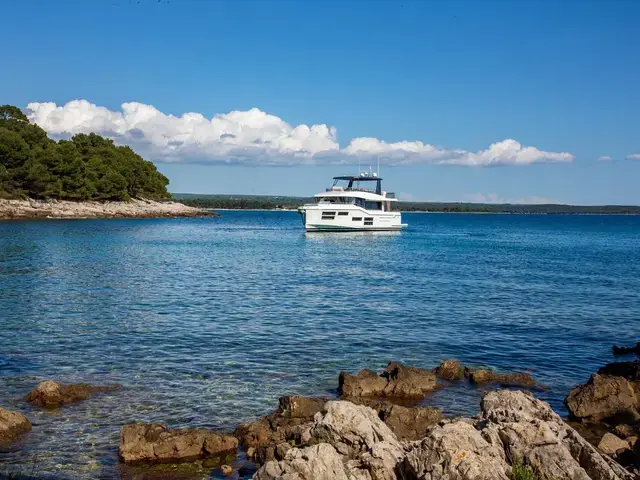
[(272, 202), (86, 176), (374, 428)]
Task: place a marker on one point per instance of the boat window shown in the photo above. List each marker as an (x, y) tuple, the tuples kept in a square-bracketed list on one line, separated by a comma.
[(356, 219), (343, 213), (341, 200), (360, 202), (373, 205)]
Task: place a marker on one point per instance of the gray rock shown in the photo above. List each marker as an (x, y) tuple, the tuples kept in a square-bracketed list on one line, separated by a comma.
[(318, 462), (357, 427), (353, 443), (455, 451), (527, 429)]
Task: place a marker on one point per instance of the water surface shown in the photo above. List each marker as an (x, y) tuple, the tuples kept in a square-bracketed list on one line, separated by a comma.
[(206, 322)]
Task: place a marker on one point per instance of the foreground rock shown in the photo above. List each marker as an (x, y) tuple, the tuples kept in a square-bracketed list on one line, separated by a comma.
[(12, 425), (604, 397), (612, 445), (157, 443), (408, 423), (135, 208), (50, 394), (272, 436), (608, 409), (396, 381), (349, 441)]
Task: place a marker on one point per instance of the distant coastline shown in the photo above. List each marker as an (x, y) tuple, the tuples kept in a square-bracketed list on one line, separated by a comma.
[(284, 203)]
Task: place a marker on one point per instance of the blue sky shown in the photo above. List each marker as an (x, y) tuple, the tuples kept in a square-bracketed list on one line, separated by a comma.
[(561, 77)]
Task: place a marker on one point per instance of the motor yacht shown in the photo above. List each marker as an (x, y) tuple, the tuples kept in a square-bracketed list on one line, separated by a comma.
[(353, 203)]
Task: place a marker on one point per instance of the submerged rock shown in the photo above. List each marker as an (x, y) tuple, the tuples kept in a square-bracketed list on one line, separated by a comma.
[(50, 394), (450, 370), (12, 425), (628, 370), (626, 350), (397, 380), (512, 379), (157, 443)]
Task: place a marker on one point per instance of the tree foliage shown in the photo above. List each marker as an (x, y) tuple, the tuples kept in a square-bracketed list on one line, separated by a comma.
[(87, 167)]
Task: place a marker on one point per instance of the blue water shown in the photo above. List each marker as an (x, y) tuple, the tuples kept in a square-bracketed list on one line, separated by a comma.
[(206, 322)]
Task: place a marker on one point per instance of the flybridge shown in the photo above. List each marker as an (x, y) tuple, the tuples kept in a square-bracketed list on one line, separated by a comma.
[(353, 183)]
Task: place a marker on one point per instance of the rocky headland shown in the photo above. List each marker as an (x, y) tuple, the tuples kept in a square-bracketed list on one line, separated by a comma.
[(377, 429), (135, 208)]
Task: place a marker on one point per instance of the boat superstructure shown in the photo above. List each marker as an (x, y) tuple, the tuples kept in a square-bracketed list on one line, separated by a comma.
[(353, 203)]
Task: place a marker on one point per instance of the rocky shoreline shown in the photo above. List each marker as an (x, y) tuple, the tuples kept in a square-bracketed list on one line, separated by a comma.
[(135, 208), (376, 430)]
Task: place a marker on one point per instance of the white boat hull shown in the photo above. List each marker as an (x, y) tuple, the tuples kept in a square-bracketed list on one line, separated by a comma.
[(348, 218)]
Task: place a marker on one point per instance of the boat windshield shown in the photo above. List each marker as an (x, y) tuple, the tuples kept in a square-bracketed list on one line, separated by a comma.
[(341, 200)]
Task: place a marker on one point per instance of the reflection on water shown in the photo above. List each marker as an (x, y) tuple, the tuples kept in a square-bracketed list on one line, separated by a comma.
[(206, 322), (350, 235)]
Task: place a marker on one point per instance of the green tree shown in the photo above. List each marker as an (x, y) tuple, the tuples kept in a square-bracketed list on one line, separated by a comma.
[(9, 112), (86, 167)]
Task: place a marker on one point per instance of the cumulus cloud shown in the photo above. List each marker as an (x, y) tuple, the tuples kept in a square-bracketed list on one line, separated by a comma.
[(605, 158), (633, 156), (256, 137)]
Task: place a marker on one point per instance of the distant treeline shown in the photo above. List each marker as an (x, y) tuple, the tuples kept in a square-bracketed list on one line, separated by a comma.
[(259, 202), (86, 167)]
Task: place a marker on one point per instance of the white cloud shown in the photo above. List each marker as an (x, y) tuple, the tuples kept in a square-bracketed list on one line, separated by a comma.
[(605, 158), (633, 156), (495, 198), (256, 137)]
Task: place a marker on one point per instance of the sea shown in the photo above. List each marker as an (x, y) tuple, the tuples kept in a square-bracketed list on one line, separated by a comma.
[(206, 322)]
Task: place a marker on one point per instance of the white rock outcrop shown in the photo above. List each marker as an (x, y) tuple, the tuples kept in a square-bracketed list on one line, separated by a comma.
[(135, 208), (350, 442)]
